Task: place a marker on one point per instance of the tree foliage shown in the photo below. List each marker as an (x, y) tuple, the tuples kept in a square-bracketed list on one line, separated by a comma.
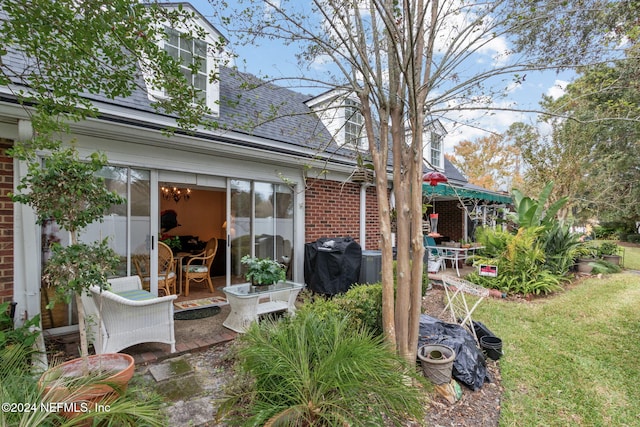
[(489, 162), (594, 157)]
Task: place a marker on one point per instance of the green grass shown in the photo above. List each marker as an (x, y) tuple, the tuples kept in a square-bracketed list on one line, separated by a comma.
[(571, 359), (632, 258)]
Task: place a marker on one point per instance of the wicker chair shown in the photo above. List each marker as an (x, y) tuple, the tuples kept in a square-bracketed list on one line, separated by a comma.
[(198, 268), (128, 315), (166, 270)]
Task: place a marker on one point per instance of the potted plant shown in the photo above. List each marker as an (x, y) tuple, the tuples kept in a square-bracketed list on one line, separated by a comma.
[(586, 254), (67, 190), (609, 252), (263, 271)]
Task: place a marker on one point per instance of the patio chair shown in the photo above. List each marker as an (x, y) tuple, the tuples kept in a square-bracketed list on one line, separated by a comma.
[(433, 256), (460, 310), (128, 315), (166, 270), (198, 268)]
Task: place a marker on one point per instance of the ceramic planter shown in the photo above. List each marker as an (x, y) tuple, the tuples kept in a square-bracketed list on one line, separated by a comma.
[(112, 371), (437, 362), (613, 259)]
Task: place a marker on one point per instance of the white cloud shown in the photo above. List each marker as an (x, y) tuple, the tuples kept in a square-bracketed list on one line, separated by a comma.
[(558, 89)]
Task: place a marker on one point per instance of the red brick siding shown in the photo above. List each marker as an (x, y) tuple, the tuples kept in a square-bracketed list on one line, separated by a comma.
[(333, 210), (6, 223), (450, 219), (372, 221)]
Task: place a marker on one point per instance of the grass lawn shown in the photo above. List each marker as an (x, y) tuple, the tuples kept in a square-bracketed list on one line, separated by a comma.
[(571, 359)]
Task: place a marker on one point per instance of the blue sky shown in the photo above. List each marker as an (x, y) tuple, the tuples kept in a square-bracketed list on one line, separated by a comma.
[(274, 59)]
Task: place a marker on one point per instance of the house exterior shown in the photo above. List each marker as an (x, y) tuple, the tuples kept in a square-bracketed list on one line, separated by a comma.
[(262, 189)]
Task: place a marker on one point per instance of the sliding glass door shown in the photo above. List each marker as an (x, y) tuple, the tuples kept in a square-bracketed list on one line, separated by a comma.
[(260, 223)]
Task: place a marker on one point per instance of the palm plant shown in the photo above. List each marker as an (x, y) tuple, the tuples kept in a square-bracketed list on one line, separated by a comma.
[(312, 370)]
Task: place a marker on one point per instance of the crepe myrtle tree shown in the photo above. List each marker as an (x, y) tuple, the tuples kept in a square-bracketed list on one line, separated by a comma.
[(411, 62)]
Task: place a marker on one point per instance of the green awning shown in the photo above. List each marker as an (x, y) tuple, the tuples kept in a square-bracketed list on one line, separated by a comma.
[(465, 193)]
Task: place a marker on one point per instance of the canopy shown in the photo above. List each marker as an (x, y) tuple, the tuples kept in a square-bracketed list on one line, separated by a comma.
[(444, 189)]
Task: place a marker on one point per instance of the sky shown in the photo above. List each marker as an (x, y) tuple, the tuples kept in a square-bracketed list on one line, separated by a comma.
[(274, 59)]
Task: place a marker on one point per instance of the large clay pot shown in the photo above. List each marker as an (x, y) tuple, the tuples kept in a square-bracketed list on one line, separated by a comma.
[(67, 383), (613, 259), (582, 265)]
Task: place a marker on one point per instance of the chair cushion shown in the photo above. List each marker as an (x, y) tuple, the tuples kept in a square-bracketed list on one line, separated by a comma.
[(171, 275), (195, 269), (136, 295)]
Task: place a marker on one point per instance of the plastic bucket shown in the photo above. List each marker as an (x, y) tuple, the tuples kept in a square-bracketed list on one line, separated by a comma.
[(492, 346), (437, 362)]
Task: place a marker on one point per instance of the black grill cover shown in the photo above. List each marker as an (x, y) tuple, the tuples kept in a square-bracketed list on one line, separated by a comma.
[(332, 265)]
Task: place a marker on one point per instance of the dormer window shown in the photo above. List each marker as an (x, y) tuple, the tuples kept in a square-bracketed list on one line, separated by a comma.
[(354, 123), (199, 49), (192, 55), (436, 149)]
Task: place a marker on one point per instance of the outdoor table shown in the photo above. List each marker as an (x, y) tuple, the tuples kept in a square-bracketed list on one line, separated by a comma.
[(454, 254), (248, 302)]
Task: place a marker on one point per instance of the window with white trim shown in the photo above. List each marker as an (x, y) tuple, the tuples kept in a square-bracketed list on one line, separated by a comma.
[(354, 123), (436, 149), (192, 55)]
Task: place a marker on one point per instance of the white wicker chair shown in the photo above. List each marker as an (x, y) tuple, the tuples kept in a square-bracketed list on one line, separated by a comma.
[(128, 321)]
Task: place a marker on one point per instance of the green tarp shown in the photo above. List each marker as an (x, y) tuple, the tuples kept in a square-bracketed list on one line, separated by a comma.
[(465, 193)]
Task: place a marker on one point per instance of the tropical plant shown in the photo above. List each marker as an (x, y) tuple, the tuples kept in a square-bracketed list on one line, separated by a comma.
[(67, 190), (321, 371), (531, 212), (263, 271), (521, 265), (560, 247)]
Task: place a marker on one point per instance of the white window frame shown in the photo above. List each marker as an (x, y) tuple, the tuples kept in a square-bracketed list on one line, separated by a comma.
[(212, 93), (435, 143), (353, 124)]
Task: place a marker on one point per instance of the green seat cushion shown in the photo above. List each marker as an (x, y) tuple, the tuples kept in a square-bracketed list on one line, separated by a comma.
[(136, 295)]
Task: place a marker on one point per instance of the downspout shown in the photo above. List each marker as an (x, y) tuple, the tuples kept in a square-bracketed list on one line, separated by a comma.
[(26, 280), (363, 216)]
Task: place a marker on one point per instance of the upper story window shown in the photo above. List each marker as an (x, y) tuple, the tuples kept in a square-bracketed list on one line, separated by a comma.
[(354, 123), (192, 55), (436, 149)]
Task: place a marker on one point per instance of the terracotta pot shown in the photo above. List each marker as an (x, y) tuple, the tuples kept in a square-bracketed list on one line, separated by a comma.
[(113, 371)]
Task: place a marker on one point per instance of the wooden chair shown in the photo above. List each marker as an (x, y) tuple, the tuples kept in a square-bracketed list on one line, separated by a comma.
[(198, 267), (166, 270)]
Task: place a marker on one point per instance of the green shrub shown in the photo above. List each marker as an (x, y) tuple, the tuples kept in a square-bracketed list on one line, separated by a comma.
[(520, 262), (25, 335), (312, 370), (633, 238)]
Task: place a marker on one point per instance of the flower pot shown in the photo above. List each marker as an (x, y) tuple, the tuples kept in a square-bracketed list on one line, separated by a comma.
[(613, 259), (582, 265), (437, 362), (492, 346), (66, 383)]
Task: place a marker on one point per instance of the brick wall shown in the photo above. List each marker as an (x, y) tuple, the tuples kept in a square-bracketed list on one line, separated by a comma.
[(450, 220), (333, 210), (6, 223)]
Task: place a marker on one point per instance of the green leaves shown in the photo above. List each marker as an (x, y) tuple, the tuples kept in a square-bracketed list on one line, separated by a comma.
[(263, 271), (67, 190), (321, 371)]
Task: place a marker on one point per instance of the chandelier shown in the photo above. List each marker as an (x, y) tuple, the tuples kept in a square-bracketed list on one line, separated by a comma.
[(176, 194)]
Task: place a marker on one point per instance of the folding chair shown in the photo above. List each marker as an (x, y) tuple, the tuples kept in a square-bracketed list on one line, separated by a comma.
[(456, 290)]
